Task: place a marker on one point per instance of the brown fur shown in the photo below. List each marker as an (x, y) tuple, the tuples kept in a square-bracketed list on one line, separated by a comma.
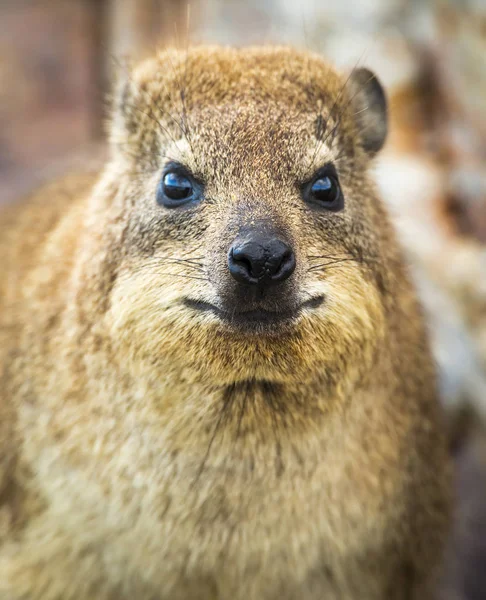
[(154, 452)]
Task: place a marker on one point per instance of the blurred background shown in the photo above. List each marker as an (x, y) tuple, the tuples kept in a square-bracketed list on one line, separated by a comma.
[(57, 59)]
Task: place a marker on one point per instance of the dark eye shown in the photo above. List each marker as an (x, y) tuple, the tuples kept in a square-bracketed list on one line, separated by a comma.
[(175, 188), (324, 190)]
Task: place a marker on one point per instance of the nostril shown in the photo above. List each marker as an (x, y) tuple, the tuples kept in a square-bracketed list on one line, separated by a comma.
[(241, 266), (286, 266), (243, 261)]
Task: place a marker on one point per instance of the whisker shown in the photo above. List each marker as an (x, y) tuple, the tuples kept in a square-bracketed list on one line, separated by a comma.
[(324, 139), (182, 261), (333, 132), (188, 261), (330, 256), (148, 96), (181, 275), (152, 117), (182, 95), (332, 262), (336, 263), (169, 273)]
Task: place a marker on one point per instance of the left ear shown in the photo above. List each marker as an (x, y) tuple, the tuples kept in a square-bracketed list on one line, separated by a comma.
[(368, 102)]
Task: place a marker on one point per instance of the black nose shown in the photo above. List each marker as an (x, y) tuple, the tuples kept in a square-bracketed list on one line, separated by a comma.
[(260, 261)]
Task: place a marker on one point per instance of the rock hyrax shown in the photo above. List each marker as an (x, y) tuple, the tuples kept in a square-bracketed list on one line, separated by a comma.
[(216, 379)]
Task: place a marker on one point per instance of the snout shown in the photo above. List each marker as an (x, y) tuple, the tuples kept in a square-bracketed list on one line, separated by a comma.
[(261, 260), (258, 288)]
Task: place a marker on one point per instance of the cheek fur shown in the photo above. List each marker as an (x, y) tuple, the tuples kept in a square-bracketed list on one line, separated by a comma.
[(153, 329)]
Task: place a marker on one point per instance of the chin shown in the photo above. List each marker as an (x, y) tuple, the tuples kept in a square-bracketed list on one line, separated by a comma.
[(285, 348)]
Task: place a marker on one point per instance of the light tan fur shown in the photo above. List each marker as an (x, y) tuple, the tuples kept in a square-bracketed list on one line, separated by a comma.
[(152, 451)]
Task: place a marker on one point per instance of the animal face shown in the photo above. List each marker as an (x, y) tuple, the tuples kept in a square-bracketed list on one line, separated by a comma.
[(253, 242)]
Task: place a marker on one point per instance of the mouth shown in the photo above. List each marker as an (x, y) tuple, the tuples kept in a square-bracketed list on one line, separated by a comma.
[(258, 318)]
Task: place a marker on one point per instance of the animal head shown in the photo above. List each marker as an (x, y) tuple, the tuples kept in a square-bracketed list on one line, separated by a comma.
[(252, 244)]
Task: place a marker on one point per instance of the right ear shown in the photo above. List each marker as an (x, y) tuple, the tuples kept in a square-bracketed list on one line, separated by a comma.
[(368, 102)]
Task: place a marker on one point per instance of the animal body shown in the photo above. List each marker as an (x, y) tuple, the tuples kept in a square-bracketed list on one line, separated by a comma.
[(216, 380)]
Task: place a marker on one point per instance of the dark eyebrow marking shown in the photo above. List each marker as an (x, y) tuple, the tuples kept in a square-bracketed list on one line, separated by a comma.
[(320, 127)]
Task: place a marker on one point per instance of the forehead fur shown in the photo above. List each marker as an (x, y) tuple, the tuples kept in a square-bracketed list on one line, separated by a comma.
[(256, 103), (217, 75)]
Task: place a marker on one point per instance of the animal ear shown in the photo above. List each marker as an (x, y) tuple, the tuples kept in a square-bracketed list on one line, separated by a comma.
[(122, 98), (368, 102)]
